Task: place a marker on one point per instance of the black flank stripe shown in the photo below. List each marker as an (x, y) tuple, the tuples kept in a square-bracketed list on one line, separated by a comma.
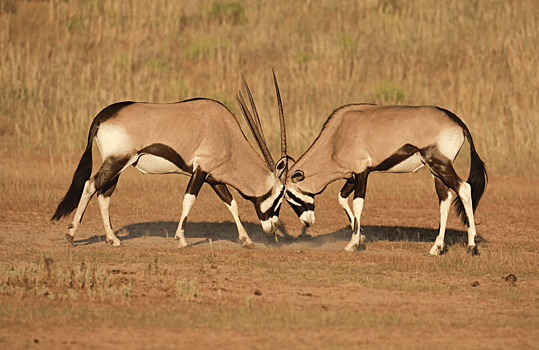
[(168, 153), (400, 156)]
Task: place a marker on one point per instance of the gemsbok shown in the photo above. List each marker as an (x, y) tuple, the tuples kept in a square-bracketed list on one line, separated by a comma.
[(197, 137), (360, 139)]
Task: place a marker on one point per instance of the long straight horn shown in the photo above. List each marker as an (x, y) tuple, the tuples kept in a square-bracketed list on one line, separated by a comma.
[(284, 151), (256, 120), (253, 125)]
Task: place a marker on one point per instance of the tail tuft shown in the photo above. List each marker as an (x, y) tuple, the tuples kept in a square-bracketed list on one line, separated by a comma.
[(477, 179), (74, 193)]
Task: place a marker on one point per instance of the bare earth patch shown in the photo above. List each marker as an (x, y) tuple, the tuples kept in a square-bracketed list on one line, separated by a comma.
[(300, 291)]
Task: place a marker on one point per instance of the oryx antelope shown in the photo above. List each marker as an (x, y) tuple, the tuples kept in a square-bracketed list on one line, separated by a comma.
[(197, 137), (360, 139)]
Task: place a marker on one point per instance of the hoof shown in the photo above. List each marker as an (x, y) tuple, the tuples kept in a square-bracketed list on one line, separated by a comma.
[(183, 245), (436, 250), (354, 248), (350, 249), (472, 249), (70, 240), (248, 245)]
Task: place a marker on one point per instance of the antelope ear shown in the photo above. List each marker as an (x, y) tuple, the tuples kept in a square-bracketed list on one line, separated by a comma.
[(298, 176), (281, 167)]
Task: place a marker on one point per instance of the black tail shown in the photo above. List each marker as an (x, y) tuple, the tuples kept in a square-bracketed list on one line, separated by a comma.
[(477, 179), (82, 174)]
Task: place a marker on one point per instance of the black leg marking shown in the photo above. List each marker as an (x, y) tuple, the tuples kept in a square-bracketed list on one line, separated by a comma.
[(195, 184), (222, 191), (442, 168), (70, 240), (441, 190), (108, 172), (348, 187), (360, 188), (360, 184), (472, 250), (109, 188)]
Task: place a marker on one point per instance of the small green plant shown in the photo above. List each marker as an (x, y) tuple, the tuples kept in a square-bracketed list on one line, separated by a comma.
[(204, 47), (227, 11), (250, 302), (388, 92), (157, 64), (73, 294), (186, 289), (303, 57), (345, 42), (72, 23), (8, 6), (125, 291), (390, 6)]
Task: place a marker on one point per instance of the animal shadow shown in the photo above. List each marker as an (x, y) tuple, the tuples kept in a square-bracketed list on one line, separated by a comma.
[(199, 234)]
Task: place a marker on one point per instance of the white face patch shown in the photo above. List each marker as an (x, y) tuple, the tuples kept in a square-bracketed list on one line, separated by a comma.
[(113, 140), (290, 200), (268, 203), (304, 198), (307, 218)]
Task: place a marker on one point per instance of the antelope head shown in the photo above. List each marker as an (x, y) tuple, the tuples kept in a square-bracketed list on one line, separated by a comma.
[(268, 206)]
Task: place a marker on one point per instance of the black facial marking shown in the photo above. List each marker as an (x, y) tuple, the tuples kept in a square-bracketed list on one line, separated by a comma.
[(168, 153), (400, 156), (298, 209), (272, 211), (304, 206)]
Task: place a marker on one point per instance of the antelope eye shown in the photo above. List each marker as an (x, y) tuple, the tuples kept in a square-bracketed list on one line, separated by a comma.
[(298, 176)]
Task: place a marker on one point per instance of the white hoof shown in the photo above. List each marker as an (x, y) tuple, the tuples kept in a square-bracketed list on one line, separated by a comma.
[(354, 246), (115, 242), (435, 250)]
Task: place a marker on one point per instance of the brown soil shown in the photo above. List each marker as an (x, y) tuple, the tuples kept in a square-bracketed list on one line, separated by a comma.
[(395, 217)]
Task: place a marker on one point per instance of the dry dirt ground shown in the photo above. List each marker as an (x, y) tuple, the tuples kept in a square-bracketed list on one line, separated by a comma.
[(300, 292)]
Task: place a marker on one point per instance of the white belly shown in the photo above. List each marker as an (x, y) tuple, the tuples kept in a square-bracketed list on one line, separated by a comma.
[(150, 164), (412, 163)]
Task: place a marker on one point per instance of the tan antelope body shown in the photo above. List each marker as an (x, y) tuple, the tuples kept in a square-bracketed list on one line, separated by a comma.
[(360, 139), (198, 137)]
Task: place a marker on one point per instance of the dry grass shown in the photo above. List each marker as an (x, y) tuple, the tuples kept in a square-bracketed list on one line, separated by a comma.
[(306, 298), (199, 284), (63, 61)]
